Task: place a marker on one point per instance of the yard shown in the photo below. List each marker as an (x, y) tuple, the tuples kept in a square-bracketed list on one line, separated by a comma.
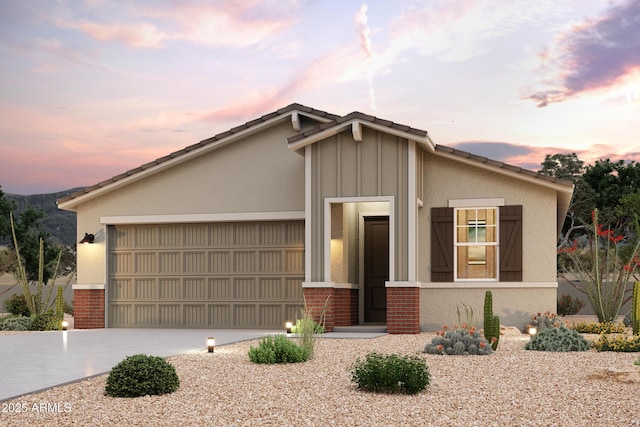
[(511, 387)]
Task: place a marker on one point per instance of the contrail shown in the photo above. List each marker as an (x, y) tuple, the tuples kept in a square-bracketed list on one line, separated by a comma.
[(365, 44)]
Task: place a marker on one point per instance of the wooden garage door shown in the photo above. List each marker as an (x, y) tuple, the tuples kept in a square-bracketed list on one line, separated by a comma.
[(216, 275)]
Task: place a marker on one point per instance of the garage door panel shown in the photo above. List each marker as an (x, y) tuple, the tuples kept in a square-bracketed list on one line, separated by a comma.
[(215, 275)]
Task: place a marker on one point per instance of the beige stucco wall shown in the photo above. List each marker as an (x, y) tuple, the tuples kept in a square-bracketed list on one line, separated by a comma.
[(513, 305), (256, 174), (445, 179)]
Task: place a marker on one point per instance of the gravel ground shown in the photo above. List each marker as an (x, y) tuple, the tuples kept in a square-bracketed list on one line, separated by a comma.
[(512, 387)]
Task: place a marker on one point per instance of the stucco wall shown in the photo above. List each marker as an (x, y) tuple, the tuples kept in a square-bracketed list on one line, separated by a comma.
[(257, 174), (513, 305), (445, 179)]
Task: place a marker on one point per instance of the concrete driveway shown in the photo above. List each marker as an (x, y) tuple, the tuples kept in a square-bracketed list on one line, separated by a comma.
[(34, 361)]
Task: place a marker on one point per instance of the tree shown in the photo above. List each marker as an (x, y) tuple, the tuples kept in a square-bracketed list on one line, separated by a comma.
[(570, 168), (29, 234)]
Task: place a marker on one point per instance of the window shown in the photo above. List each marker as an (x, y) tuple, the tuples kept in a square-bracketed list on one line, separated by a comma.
[(476, 243)]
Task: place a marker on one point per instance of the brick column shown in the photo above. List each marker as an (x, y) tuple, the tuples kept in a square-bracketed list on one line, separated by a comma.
[(88, 308), (345, 306), (316, 298), (403, 310)]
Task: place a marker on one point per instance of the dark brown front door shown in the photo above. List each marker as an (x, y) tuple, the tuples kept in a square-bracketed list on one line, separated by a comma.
[(376, 268)]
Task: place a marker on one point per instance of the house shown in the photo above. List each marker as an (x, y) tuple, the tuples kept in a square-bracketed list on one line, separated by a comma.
[(369, 220)]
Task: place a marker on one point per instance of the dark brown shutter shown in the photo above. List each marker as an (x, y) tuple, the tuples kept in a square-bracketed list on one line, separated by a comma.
[(511, 243), (442, 244)]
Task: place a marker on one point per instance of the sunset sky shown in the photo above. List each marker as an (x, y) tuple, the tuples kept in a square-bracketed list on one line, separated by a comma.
[(90, 89)]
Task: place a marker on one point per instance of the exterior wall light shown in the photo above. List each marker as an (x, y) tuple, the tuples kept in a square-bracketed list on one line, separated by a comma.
[(211, 344), (65, 325), (289, 326), (88, 238), (533, 330)]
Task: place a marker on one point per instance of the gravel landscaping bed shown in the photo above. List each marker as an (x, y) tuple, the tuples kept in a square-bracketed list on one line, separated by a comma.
[(512, 387)]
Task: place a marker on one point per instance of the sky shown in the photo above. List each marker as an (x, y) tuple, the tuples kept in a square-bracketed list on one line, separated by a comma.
[(92, 88)]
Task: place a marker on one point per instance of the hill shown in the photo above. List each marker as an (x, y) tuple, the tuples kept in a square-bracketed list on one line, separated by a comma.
[(60, 224)]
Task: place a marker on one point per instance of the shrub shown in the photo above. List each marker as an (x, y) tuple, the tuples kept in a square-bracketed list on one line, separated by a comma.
[(627, 319), (598, 328), (621, 343), (278, 349), (47, 321), (390, 373), (17, 305), (558, 339), (303, 323), (546, 321), (16, 323), (461, 341), (141, 375), (568, 306)]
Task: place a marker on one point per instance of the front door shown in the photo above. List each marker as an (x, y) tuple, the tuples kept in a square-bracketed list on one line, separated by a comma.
[(376, 268)]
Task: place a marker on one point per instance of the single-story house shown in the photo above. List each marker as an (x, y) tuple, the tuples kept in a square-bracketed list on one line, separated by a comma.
[(366, 220)]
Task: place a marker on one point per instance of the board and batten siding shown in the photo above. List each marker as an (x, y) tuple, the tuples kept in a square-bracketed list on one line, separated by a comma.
[(342, 167), (210, 275)]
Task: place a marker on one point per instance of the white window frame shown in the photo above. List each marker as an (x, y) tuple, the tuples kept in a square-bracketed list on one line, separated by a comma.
[(496, 244)]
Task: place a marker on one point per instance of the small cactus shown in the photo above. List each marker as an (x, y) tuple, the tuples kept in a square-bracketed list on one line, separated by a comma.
[(635, 309), (491, 322)]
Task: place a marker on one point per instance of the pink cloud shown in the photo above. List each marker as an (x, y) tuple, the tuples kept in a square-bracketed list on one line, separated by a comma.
[(143, 35), (595, 55)]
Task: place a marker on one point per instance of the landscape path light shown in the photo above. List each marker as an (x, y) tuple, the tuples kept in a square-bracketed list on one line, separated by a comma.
[(65, 325), (211, 344), (289, 326)]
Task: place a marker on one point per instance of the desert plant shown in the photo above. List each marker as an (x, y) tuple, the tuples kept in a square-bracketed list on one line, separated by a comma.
[(561, 339), (491, 323), (621, 343), (603, 267), (390, 373), (303, 323), (278, 349), (17, 305), (141, 375), (463, 341), (469, 315), (36, 302), (598, 328), (568, 306), (635, 309), (627, 319), (16, 323), (47, 321), (546, 320)]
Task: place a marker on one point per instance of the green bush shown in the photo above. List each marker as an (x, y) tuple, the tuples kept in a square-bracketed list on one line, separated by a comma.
[(16, 323), (47, 321), (568, 306), (461, 341), (598, 328), (558, 339), (620, 343), (390, 373), (278, 349), (17, 305), (141, 375)]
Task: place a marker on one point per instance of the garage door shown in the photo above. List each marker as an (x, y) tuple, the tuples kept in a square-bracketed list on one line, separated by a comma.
[(214, 275)]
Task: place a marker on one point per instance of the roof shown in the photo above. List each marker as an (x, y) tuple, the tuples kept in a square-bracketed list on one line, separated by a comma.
[(502, 165), (209, 141), (332, 125)]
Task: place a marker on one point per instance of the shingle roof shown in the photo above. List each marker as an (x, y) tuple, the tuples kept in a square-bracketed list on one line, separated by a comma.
[(355, 116), (501, 165), (218, 137)]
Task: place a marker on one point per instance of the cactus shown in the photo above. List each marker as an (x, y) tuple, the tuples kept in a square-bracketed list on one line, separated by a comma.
[(491, 322), (635, 309), (60, 304)]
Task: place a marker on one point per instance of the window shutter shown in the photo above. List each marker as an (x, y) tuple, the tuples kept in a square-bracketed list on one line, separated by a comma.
[(511, 243), (442, 244)]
